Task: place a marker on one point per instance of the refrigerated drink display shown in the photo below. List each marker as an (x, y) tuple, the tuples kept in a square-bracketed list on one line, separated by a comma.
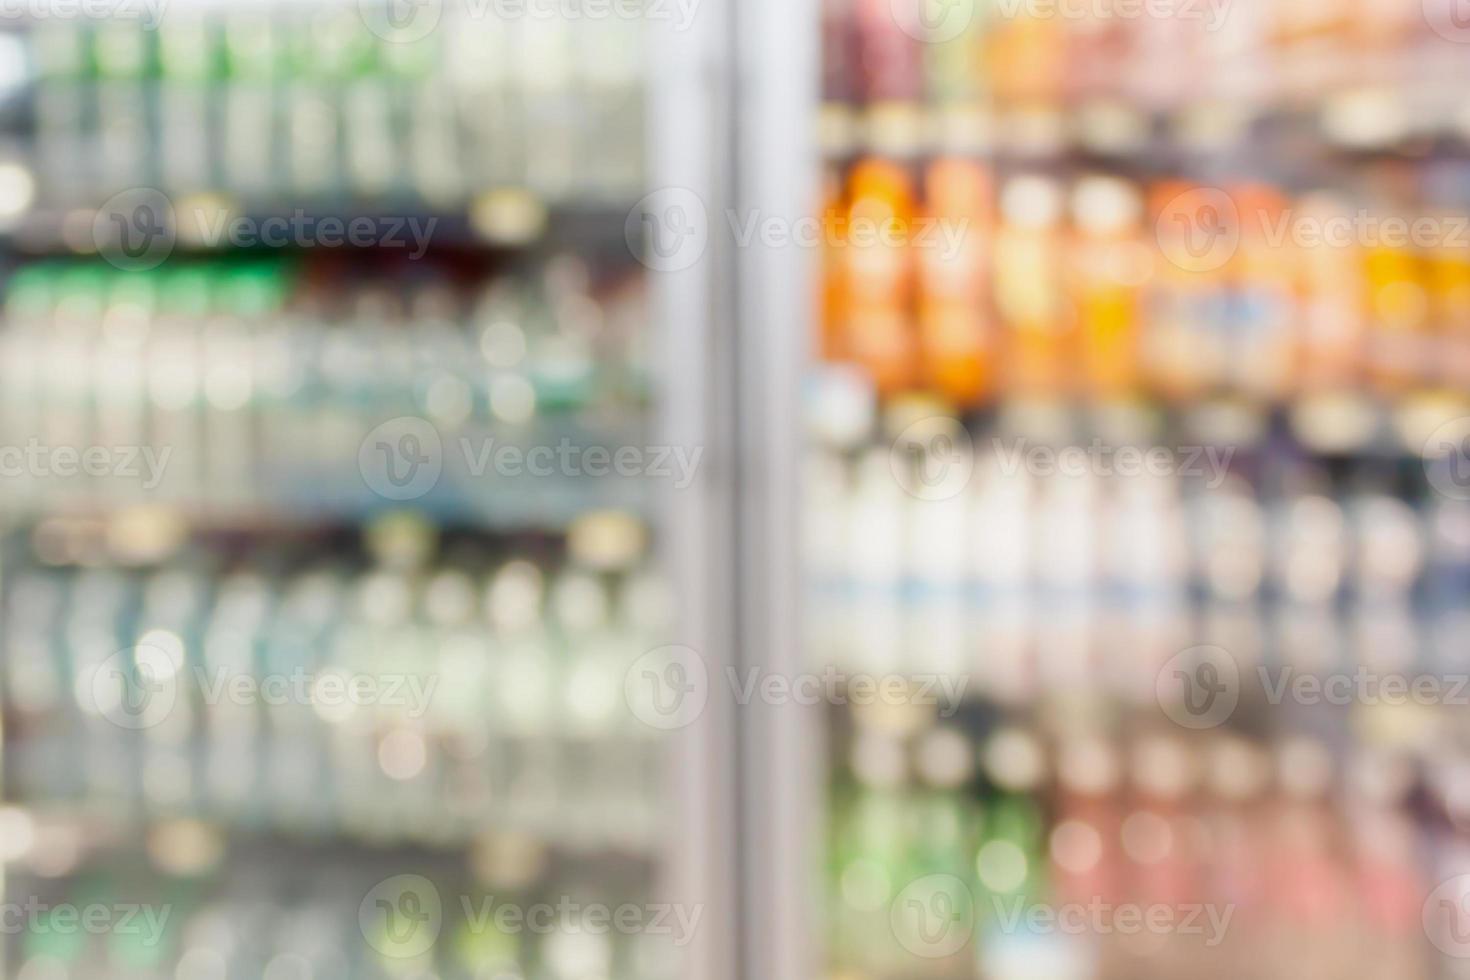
[(1135, 461), (323, 559)]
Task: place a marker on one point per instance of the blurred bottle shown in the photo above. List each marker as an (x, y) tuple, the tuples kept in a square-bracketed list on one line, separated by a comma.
[(1109, 262), (955, 329), (1030, 295), (880, 274)]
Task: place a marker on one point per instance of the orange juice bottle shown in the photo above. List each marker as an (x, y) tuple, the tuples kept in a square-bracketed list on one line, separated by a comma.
[(1030, 286), (954, 321), (878, 272), (1109, 264), (1398, 308)]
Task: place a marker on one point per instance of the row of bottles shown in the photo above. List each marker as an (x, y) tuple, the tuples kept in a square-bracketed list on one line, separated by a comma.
[(1159, 56), (235, 381), (1026, 852), (402, 688), (974, 287), (1030, 568), (329, 102), (522, 915)]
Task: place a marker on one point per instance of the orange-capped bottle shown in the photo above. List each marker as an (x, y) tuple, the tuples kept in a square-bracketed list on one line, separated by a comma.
[(1030, 287), (878, 271), (1109, 264), (956, 337)]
